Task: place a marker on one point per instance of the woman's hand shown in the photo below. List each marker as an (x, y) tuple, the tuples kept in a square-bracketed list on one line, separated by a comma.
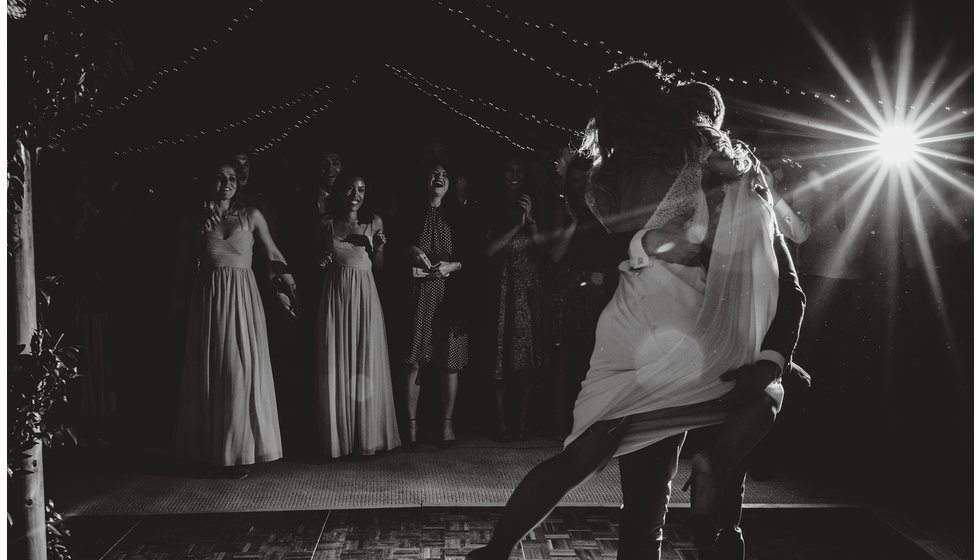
[(291, 301), (326, 257), (419, 258), (524, 205), (379, 240), (444, 269)]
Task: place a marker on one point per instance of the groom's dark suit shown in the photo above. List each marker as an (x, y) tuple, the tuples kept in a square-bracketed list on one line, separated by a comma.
[(646, 474)]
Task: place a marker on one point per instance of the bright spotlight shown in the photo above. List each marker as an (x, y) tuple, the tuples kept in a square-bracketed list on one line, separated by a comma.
[(896, 144)]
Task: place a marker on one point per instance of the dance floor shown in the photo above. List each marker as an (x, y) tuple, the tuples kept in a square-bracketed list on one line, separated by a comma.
[(410, 533), (477, 472), (422, 503)]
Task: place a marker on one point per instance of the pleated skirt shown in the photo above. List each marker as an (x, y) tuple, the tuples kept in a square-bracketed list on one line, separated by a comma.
[(355, 409), (227, 408)]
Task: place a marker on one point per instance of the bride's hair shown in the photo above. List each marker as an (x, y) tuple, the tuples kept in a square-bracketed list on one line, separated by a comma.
[(637, 114), (704, 100), (632, 101)]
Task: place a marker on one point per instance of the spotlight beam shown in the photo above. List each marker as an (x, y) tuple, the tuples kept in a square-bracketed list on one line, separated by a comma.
[(943, 96), (840, 171), (930, 191), (945, 138), (842, 68), (945, 155), (859, 120), (834, 153), (802, 120), (925, 251), (929, 82), (878, 69), (861, 216), (905, 64), (949, 177), (945, 122)]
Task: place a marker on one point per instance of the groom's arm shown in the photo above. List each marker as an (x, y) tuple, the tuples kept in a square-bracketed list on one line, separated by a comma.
[(784, 330), (780, 340)]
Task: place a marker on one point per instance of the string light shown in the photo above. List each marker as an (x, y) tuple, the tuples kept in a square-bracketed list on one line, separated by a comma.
[(296, 125), (601, 45), (154, 82), (261, 113), (488, 104), (458, 112), (513, 48)]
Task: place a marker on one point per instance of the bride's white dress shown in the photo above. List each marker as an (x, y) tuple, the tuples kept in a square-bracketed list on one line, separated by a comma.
[(671, 330)]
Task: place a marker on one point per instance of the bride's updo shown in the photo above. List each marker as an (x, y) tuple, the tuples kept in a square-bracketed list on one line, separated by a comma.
[(637, 116)]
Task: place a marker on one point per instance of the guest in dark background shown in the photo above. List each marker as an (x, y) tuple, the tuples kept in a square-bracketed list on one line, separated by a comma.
[(518, 251), (580, 284)]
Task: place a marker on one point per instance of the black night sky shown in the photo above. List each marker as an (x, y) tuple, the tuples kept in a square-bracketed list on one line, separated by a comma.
[(287, 48)]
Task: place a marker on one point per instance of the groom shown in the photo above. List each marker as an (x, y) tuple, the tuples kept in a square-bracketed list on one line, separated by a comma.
[(646, 474)]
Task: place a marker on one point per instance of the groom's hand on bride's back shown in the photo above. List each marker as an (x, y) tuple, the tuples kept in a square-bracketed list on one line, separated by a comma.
[(750, 380)]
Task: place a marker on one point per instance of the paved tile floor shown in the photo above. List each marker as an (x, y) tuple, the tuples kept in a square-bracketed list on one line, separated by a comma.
[(437, 533)]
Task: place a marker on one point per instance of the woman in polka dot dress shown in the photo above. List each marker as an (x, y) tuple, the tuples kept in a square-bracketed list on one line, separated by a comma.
[(437, 338)]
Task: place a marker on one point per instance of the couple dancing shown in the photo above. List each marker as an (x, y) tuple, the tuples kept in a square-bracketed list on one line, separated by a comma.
[(703, 322)]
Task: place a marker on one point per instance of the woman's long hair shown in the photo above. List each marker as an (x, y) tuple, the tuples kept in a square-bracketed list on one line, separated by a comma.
[(210, 218)]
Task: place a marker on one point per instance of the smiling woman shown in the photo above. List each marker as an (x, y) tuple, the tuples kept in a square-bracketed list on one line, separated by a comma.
[(437, 338), (355, 411), (228, 416)]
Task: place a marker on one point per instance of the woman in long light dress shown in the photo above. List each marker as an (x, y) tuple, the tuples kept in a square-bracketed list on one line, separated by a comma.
[(355, 410), (227, 409), (674, 329)]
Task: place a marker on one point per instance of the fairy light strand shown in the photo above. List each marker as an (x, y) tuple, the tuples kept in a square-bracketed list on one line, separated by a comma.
[(303, 121), (260, 114), (154, 82), (458, 112), (510, 44), (696, 74), (489, 104)]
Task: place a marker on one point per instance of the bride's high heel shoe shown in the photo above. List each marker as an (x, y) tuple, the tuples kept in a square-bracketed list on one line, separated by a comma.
[(705, 485)]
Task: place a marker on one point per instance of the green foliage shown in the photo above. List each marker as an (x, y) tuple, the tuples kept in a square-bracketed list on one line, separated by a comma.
[(57, 533), (37, 386), (61, 54), (37, 383)]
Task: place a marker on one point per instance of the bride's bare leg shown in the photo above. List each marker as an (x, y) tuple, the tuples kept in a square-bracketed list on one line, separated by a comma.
[(547, 484)]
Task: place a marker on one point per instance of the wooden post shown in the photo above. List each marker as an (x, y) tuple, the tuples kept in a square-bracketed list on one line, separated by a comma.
[(28, 534)]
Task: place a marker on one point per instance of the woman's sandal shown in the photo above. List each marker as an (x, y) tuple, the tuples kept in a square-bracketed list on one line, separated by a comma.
[(413, 431), (445, 442)]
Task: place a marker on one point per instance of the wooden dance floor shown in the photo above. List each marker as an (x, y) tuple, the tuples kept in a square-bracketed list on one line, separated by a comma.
[(419, 503)]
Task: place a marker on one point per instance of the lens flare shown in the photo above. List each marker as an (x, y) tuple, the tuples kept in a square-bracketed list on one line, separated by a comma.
[(897, 144), (899, 158)]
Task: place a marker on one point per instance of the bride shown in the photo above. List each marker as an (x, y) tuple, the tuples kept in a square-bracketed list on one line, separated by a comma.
[(693, 305)]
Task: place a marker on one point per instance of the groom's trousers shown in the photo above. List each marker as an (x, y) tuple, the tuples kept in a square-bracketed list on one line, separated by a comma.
[(646, 481)]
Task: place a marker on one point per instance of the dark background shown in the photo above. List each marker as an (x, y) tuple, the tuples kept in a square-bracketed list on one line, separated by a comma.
[(916, 423)]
